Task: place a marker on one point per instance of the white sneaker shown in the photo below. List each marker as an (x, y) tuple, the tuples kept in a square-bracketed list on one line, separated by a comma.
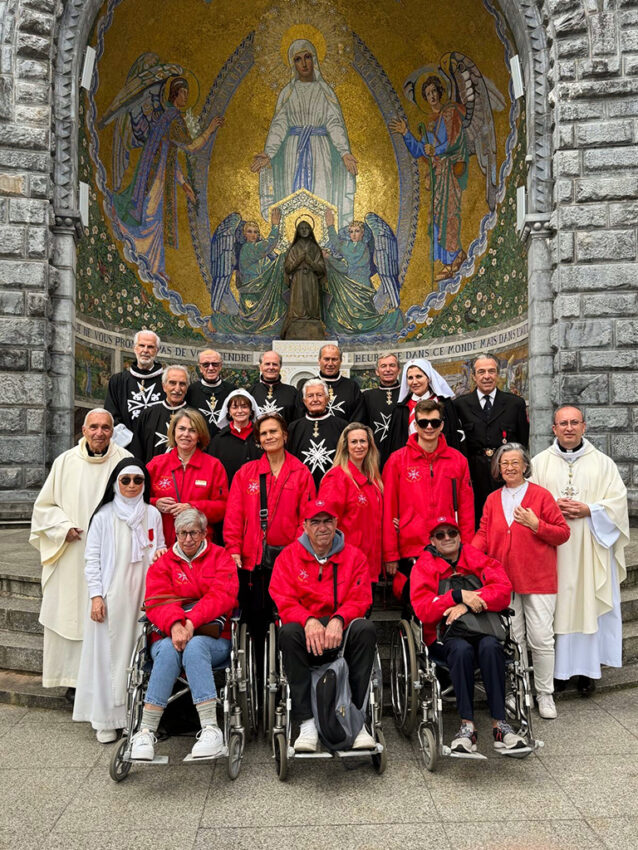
[(106, 736), (210, 742), (143, 745), (364, 741), (547, 706), (308, 739)]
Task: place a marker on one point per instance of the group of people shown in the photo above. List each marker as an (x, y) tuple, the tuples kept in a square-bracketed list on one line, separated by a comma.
[(190, 498)]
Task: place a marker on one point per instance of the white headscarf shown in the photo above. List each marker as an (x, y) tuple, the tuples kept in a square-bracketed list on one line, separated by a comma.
[(223, 413), (132, 511), (438, 385), (296, 46)]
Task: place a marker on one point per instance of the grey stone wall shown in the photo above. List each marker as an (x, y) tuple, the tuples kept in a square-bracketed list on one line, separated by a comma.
[(580, 63)]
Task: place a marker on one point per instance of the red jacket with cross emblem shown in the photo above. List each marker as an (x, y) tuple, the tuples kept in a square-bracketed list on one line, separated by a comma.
[(418, 489)]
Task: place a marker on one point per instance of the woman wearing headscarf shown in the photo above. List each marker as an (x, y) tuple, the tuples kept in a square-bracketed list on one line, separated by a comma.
[(124, 537), (421, 381), (235, 444), (307, 146)]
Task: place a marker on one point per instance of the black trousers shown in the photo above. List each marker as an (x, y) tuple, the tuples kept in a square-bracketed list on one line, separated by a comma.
[(359, 655), (462, 656)]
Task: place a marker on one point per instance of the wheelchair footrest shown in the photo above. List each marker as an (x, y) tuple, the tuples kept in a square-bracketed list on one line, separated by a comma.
[(518, 752), (156, 760), (191, 758), (475, 756)]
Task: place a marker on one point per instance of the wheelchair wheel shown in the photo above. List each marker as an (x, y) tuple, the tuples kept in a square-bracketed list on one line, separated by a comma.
[(247, 698), (119, 768), (234, 755), (281, 755), (380, 760), (429, 748), (270, 679), (403, 674)]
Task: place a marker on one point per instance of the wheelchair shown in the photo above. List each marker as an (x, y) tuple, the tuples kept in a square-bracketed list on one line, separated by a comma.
[(418, 694), (278, 719), (236, 693)]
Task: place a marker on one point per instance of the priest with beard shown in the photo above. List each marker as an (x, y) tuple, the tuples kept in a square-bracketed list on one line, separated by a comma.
[(379, 402), (151, 437), (211, 391), (313, 438), (345, 398), (271, 395), (134, 390)]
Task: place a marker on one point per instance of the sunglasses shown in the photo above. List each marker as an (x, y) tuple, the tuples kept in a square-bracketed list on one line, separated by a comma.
[(451, 533), (136, 479), (209, 364), (429, 423)]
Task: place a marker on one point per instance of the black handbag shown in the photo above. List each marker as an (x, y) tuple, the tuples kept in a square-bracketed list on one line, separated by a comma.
[(268, 553), (471, 625)]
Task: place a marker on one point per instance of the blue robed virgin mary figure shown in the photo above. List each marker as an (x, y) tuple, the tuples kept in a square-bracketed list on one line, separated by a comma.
[(307, 145)]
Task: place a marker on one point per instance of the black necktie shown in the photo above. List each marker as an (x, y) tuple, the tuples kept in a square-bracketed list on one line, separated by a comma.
[(487, 406)]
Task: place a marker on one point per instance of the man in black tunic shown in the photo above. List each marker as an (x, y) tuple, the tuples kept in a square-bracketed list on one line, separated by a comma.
[(313, 438), (490, 418), (152, 432), (138, 388), (344, 395), (209, 393), (271, 395), (378, 403)]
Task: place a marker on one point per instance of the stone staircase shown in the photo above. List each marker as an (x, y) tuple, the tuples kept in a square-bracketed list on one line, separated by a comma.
[(21, 633)]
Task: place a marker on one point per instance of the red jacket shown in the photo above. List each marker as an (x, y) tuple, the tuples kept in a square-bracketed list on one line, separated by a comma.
[(211, 577), (203, 484), (286, 496), (424, 585), (302, 588), (359, 506), (417, 490), (529, 558)]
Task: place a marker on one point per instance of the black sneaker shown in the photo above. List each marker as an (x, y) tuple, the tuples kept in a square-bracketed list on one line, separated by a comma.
[(465, 741)]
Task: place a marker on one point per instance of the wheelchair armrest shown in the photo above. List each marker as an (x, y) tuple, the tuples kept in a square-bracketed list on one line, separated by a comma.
[(143, 620), (507, 612)]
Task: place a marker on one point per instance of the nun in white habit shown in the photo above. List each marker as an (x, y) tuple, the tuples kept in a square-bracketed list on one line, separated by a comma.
[(124, 537)]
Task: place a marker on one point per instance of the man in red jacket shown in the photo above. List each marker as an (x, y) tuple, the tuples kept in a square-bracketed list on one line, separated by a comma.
[(321, 586), (423, 480), (444, 557)]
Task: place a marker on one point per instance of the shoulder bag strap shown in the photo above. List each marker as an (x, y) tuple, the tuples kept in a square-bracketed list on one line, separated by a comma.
[(263, 504)]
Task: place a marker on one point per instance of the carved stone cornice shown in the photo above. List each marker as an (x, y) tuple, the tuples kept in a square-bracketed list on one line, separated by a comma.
[(68, 221)]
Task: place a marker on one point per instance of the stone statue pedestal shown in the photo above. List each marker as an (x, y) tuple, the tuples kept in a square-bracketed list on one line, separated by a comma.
[(300, 359)]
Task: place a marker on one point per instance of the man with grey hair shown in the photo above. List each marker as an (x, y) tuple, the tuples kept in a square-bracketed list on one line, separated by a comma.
[(378, 403), (152, 432), (490, 418), (61, 516), (269, 392), (211, 391), (138, 387), (344, 394), (313, 438)]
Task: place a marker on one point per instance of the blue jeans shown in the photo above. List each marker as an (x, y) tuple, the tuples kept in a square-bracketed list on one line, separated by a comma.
[(199, 657)]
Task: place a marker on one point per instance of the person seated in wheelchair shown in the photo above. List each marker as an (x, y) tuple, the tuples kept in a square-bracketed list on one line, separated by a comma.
[(321, 587), (190, 593), (463, 644)]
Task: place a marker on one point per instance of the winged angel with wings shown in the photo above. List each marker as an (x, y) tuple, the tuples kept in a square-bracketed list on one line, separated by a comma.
[(460, 102), (148, 114)]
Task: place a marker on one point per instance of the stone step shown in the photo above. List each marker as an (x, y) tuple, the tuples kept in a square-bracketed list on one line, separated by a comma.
[(630, 642), (20, 614), (26, 689), (21, 580), (20, 651), (629, 603)]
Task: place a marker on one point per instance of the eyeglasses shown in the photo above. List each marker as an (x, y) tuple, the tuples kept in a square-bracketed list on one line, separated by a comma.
[(209, 364), (136, 479), (184, 534), (451, 533), (572, 422), (429, 423), (506, 463)]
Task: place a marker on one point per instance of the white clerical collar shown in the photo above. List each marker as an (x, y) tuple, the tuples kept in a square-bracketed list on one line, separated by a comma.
[(329, 380), (176, 407), (569, 455), (153, 372), (216, 383), (318, 418)]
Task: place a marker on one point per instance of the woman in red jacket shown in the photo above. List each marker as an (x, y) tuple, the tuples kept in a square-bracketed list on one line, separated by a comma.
[(353, 487), (193, 587), (253, 543), (521, 526), (186, 477)]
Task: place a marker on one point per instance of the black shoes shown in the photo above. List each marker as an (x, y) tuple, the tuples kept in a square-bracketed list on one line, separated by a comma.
[(585, 686)]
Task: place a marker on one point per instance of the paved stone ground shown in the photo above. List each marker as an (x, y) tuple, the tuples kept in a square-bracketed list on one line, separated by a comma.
[(579, 792)]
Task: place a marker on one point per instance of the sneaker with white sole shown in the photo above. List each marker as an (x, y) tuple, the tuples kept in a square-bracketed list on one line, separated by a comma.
[(547, 706), (505, 738), (465, 741), (143, 745), (106, 736), (308, 739), (364, 741), (210, 743)]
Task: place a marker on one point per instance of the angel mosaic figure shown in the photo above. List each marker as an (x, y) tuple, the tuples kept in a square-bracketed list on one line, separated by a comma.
[(147, 208), (456, 129)]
